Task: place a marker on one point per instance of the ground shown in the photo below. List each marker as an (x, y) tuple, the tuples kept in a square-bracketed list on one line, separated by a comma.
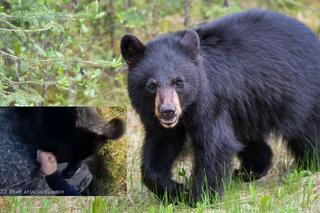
[(282, 190)]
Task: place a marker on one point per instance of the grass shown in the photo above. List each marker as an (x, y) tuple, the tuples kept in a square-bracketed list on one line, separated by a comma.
[(284, 189)]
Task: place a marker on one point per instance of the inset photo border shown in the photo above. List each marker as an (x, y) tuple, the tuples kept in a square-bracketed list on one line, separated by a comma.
[(63, 151)]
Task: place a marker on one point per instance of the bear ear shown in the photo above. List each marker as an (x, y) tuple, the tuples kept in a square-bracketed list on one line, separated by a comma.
[(132, 49), (190, 40)]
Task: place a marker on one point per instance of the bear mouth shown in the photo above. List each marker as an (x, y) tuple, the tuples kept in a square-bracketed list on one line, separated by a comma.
[(169, 123)]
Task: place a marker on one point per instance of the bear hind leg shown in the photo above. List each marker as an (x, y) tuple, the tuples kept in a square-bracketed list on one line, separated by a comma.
[(306, 152), (255, 160)]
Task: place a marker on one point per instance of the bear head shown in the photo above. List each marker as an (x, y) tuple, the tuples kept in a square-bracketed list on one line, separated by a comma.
[(164, 74)]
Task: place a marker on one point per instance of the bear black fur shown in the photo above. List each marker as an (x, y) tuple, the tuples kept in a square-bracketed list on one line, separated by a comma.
[(71, 133), (240, 78)]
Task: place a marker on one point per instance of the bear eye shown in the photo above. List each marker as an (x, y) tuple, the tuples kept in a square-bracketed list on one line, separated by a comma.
[(179, 82), (152, 85)]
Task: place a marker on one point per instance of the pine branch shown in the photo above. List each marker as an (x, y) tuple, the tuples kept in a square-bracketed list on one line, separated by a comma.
[(12, 82), (27, 31), (27, 15), (75, 60)]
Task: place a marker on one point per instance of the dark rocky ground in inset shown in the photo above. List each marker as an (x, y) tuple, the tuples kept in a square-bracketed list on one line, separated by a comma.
[(19, 169)]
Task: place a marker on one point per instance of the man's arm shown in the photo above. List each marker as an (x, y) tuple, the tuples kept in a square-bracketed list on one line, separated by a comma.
[(54, 179), (58, 183)]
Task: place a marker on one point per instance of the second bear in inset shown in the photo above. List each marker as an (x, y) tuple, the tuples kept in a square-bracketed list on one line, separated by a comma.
[(71, 133)]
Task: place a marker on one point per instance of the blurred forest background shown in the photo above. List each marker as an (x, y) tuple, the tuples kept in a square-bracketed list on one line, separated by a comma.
[(66, 52)]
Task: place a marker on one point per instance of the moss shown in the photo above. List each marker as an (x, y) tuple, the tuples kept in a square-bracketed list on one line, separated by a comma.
[(112, 158)]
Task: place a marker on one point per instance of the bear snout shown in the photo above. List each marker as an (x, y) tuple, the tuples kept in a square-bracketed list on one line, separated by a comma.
[(167, 107)]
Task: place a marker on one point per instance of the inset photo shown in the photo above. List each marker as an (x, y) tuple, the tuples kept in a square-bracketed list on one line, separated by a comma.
[(63, 151)]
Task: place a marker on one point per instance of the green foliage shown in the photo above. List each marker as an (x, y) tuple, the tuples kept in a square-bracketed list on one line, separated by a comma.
[(65, 52), (48, 54), (98, 205)]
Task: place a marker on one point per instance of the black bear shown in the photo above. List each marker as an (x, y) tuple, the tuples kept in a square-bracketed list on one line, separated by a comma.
[(71, 133), (226, 85)]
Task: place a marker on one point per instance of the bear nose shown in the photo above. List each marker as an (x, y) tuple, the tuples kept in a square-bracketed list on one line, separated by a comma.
[(167, 111)]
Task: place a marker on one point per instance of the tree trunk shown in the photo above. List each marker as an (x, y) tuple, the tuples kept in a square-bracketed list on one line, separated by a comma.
[(187, 6), (154, 12), (227, 3), (127, 5), (111, 24)]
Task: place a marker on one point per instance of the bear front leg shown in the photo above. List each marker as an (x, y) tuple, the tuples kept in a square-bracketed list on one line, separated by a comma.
[(160, 150), (214, 145)]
